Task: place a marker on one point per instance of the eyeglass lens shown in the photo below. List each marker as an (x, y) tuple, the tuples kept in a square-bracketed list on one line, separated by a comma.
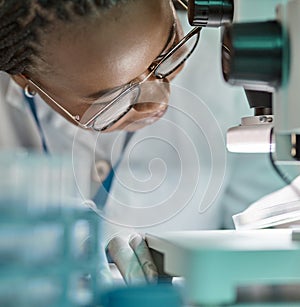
[(175, 59), (117, 109)]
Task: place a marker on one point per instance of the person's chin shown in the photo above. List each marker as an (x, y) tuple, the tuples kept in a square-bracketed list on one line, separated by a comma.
[(137, 125)]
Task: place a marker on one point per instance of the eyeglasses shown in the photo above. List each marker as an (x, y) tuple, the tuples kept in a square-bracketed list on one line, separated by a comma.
[(111, 107)]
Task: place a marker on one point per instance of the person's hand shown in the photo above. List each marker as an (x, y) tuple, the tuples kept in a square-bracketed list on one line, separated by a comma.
[(133, 259)]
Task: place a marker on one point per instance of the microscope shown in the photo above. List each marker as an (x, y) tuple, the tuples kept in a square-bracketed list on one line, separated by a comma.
[(260, 52), (260, 47)]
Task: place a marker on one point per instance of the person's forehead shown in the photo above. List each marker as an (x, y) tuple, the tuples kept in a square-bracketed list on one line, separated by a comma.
[(112, 49)]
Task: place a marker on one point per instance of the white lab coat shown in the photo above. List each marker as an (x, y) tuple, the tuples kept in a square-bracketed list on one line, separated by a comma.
[(90, 151)]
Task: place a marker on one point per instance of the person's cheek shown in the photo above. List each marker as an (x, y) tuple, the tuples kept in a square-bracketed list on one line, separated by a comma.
[(151, 106)]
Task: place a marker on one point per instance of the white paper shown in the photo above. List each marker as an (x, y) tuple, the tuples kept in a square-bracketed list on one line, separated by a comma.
[(280, 207)]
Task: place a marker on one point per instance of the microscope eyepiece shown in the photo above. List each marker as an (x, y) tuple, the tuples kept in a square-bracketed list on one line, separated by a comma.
[(208, 13)]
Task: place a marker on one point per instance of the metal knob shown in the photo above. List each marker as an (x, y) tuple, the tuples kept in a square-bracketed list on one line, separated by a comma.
[(208, 13)]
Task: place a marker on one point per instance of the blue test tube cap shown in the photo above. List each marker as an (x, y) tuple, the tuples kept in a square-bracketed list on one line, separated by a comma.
[(143, 296)]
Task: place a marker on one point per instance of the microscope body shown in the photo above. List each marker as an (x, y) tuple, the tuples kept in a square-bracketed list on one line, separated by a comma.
[(255, 10), (261, 52), (253, 62), (286, 97), (277, 74)]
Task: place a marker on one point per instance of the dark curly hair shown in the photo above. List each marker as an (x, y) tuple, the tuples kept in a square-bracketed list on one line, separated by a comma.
[(21, 22)]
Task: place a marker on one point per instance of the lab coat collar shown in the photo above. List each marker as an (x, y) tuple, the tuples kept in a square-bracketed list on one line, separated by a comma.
[(14, 95), (52, 120)]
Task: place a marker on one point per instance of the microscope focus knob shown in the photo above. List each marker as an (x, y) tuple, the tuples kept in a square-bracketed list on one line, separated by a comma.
[(208, 13), (252, 55)]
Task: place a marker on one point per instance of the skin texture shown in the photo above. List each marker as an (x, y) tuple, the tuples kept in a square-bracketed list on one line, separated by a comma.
[(105, 51)]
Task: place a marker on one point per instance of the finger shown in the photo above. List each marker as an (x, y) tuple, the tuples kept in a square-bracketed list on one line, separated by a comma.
[(105, 275), (143, 255), (126, 261)]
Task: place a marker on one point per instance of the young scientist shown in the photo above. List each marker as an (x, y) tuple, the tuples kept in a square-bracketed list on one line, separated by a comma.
[(72, 71), (103, 66)]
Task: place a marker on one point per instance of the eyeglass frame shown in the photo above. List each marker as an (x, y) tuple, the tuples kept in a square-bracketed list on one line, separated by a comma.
[(132, 84)]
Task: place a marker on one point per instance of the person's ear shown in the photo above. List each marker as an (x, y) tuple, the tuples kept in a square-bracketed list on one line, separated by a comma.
[(20, 79)]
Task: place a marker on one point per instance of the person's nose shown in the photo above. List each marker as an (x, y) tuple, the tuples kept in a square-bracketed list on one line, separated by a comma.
[(154, 96)]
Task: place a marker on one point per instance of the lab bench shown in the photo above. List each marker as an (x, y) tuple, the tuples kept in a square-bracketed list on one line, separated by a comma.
[(231, 268)]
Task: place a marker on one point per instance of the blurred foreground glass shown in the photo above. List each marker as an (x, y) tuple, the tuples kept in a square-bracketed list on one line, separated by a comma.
[(49, 246), (143, 296)]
